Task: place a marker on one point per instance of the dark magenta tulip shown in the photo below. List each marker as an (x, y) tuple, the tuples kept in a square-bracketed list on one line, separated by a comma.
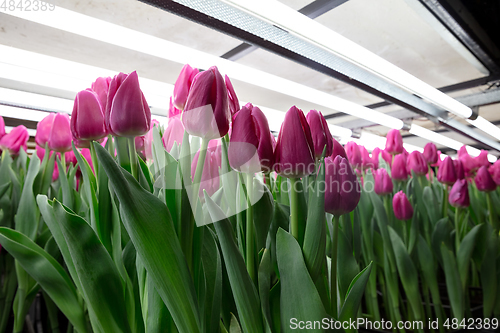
[(320, 133), (484, 181), (495, 172), (383, 182), (206, 113), (101, 88), (250, 148), (354, 154), (394, 142), (417, 163), (338, 150), (459, 169), (183, 85), (342, 188), (43, 130), (2, 127), (430, 153), (402, 206), (60, 133), (399, 170), (127, 112), (234, 104), (439, 160), (446, 172), (459, 194), (294, 153), (87, 119), (174, 133), (16, 139)]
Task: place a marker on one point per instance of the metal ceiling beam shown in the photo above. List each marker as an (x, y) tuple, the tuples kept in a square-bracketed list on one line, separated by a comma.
[(312, 10)]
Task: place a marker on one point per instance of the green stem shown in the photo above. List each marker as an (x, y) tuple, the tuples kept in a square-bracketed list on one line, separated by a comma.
[(199, 171), (267, 179), (445, 201), (122, 152), (493, 221), (133, 158), (250, 238), (93, 156), (333, 267), (294, 208), (63, 163), (457, 228), (111, 145)]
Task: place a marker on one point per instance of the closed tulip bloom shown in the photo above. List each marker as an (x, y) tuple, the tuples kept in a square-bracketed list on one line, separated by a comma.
[(366, 160), (402, 206), (430, 153), (294, 153), (250, 147), (148, 140), (101, 88), (16, 139), (43, 130), (60, 134), (320, 133), (469, 163), (342, 188), (459, 194), (439, 160), (376, 155), (446, 172), (87, 119), (383, 182), (338, 150), (417, 163), (2, 127), (386, 156), (127, 112), (183, 85), (484, 181), (210, 177), (482, 159), (234, 104), (459, 169), (495, 172), (172, 110), (394, 142), (139, 145), (207, 112), (399, 171), (354, 154), (173, 133)]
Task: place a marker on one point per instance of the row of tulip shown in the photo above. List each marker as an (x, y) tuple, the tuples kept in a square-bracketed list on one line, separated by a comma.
[(211, 225)]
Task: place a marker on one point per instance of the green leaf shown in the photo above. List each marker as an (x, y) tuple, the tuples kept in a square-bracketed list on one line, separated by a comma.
[(149, 226), (212, 266), (488, 274), (265, 271), (347, 267), (263, 214), (442, 233), (27, 214), (48, 273), (66, 189), (430, 205), (158, 318), (381, 217), (453, 284), (465, 252), (234, 327)]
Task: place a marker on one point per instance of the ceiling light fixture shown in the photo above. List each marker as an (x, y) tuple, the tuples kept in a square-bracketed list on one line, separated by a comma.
[(486, 126)]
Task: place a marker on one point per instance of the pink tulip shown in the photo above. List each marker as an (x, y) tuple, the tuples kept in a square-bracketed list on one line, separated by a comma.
[(484, 181), (2, 127), (399, 170), (183, 85), (148, 140), (342, 190), (354, 154), (383, 182), (60, 133), (210, 177), (320, 133), (40, 152), (366, 160), (375, 156), (439, 160), (234, 104), (139, 145), (294, 153), (87, 119), (172, 110), (16, 139), (173, 133), (101, 88), (469, 163), (459, 169), (338, 150), (495, 172), (387, 157), (482, 159), (394, 143), (459, 194), (402, 206), (446, 173), (430, 153), (43, 130), (127, 112), (417, 163)]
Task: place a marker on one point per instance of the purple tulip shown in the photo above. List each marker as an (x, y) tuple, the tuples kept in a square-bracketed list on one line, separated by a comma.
[(87, 119), (399, 171), (459, 194), (354, 154), (183, 85), (101, 88), (417, 163), (294, 153), (60, 134), (234, 104), (402, 206), (206, 113), (127, 112), (342, 188), (383, 182), (446, 172), (484, 181), (495, 172), (394, 142), (338, 150), (320, 133), (251, 148), (210, 176), (430, 153), (2, 127), (16, 139), (459, 169), (173, 133)]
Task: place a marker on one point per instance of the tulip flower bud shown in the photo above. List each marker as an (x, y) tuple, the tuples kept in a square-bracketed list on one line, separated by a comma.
[(394, 142), (459, 194), (366, 160), (446, 172), (250, 148), (399, 171), (173, 133), (206, 113), (234, 104), (459, 169), (342, 188), (354, 154), (148, 140), (430, 153), (60, 133), (127, 112), (139, 146), (376, 155), (387, 157), (402, 206), (294, 153), (101, 88), (320, 133), (172, 110), (469, 163), (338, 150), (16, 139), (495, 172), (183, 85), (483, 180), (417, 163), (2, 127), (482, 159), (210, 176), (87, 119), (43, 130), (383, 182), (439, 160)]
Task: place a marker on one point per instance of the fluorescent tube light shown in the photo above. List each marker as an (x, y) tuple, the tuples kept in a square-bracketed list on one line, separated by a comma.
[(90, 27), (22, 98), (435, 137), (486, 126), (305, 28), (20, 113)]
